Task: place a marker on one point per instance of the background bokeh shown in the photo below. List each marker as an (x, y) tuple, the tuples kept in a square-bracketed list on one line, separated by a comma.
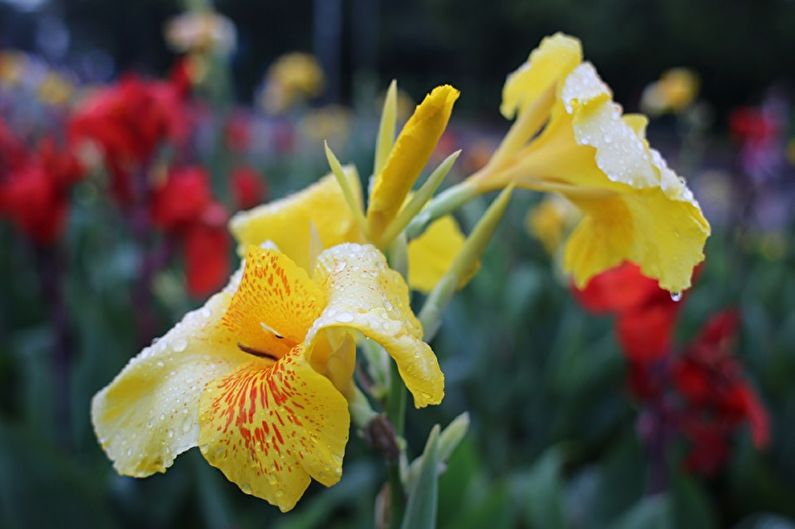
[(557, 434)]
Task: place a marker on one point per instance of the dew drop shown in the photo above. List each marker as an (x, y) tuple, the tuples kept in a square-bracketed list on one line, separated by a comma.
[(676, 296), (344, 317), (179, 345), (340, 266)]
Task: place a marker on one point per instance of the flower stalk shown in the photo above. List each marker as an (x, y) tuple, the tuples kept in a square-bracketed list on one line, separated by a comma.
[(431, 314)]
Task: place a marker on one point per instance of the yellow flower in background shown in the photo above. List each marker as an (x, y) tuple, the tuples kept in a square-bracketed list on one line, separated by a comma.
[(570, 137), (676, 90), (12, 65), (330, 121), (55, 89), (292, 79), (201, 32), (318, 217), (405, 104), (257, 377), (551, 220)]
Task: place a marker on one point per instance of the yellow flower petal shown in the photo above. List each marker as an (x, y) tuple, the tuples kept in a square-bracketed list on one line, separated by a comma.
[(274, 305), (365, 295), (550, 220), (149, 414), (288, 222), (411, 152), (636, 208), (270, 426), (554, 58), (432, 253)]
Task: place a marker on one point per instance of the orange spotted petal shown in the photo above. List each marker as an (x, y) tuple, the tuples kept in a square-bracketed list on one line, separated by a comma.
[(275, 304), (272, 426)]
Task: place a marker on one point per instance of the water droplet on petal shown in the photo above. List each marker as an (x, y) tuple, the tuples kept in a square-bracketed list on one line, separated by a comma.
[(344, 317), (179, 345), (676, 296)]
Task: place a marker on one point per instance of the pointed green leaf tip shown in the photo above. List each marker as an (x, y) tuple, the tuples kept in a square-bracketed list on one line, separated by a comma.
[(386, 129), (423, 498), (342, 180)]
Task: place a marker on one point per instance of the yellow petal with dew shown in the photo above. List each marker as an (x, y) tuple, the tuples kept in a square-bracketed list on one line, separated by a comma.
[(365, 295), (287, 222), (550, 62), (635, 207), (271, 426), (410, 153), (149, 414), (432, 253)]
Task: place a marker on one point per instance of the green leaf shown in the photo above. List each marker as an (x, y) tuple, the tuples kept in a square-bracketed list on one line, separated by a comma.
[(41, 487), (691, 506), (544, 492), (421, 508), (652, 512)]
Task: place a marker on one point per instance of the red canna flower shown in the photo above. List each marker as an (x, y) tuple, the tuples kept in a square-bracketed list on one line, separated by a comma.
[(206, 252), (182, 199), (183, 207), (749, 124), (717, 398), (645, 313), (34, 194), (128, 121), (248, 187), (238, 133)]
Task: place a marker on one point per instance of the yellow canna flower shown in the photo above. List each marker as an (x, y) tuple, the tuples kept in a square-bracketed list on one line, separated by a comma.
[(676, 89), (256, 378), (318, 217), (409, 155), (12, 65), (330, 121), (55, 89), (551, 220), (303, 223), (292, 79), (571, 138)]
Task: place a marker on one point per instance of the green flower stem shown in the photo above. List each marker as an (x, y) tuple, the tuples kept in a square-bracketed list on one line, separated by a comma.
[(431, 314), (396, 401), (446, 202)]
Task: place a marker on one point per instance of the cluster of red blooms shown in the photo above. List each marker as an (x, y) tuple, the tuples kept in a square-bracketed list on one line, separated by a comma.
[(701, 388), (129, 124), (35, 185)]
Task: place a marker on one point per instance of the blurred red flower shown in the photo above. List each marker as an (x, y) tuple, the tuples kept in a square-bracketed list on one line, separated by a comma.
[(717, 398), (128, 121), (749, 124), (34, 192), (701, 390), (238, 133), (645, 313), (248, 187), (181, 199), (183, 207)]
